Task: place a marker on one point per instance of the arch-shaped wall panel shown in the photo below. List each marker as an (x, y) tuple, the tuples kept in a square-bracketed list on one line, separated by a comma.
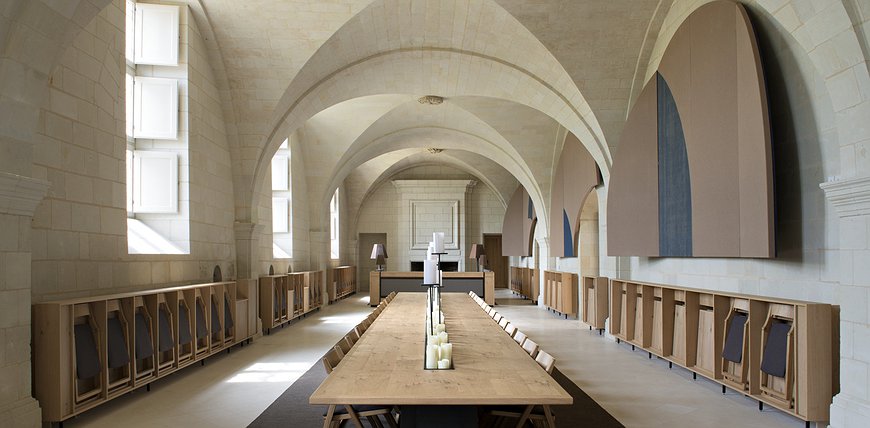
[(694, 172), (576, 175), (517, 232)]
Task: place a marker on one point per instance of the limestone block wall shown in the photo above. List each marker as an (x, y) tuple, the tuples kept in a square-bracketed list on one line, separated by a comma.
[(79, 230)]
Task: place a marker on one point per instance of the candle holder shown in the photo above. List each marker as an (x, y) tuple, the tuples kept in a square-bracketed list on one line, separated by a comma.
[(432, 351)]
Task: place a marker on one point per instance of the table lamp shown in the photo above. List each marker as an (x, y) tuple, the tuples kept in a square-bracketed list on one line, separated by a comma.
[(379, 255), (476, 252)]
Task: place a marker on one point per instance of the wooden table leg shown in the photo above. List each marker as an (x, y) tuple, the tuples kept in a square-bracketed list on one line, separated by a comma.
[(327, 421), (525, 416), (551, 421), (353, 416)]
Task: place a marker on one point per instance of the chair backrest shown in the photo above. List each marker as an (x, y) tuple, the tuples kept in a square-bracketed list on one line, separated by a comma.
[(359, 329), (510, 329), (520, 337), (490, 311), (331, 359), (344, 346), (503, 323), (546, 361), (531, 347), (497, 317)]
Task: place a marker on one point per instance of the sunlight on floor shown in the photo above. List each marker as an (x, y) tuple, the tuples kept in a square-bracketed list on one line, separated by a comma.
[(270, 372)]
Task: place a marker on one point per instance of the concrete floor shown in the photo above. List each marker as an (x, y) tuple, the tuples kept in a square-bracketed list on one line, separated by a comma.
[(231, 390)]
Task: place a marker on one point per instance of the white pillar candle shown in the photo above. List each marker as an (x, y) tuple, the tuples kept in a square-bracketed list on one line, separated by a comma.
[(432, 356), (430, 250), (434, 339), (430, 272), (443, 364), (447, 351), (440, 328), (438, 238), (443, 337)]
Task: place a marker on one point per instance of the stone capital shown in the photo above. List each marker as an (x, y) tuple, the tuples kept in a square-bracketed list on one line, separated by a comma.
[(850, 197), (20, 195)]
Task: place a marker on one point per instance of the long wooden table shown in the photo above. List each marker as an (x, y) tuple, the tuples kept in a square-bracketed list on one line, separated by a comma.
[(385, 367)]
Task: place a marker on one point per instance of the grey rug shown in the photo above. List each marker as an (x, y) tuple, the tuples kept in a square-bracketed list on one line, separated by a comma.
[(292, 410)]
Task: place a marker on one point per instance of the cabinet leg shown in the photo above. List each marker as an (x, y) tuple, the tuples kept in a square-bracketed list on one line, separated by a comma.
[(148, 388), (590, 328), (618, 341), (202, 363), (694, 376), (632, 347), (723, 391), (760, 406), (650, 355), (601, 332), (670, 364)]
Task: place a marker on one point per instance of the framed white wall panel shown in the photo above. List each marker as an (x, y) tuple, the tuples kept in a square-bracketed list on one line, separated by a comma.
[(156, 35), (155, 182), (280, 215), (280, 172), (155, 111)]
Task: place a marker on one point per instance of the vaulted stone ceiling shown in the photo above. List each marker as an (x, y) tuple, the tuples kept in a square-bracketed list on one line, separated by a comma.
[(517, 74)]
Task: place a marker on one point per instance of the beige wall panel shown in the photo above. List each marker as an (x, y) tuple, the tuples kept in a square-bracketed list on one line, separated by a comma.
[(576, 175), (557, 201), (633, 195), (512, 232), (755, 160)]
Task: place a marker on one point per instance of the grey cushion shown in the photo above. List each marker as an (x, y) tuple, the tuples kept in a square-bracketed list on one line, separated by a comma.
[(144, 348), (734, 339), (201, 326), (167, 342), (183, 325), (215, 317), (775, 356), (117, 344), (87, 358), (228, 314)]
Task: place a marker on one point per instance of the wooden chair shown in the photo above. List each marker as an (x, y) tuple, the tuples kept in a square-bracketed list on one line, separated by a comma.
[(531, 412), (531, 347), (519, 337), (360, 329), (510, 329), (351, 337), (336, 417), (503, 323), (344, 346), (497, 317)]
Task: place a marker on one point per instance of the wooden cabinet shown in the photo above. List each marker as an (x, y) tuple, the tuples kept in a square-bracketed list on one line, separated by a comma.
[(594, 296), (560, 292), (286, 297), (341, 282), (89, 350), (524, 282), (778, 351)]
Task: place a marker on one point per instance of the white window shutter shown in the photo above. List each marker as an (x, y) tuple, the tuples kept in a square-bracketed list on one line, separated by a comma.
[(130, 24), (156, 34), (155, 182), (129, 85), (280, 173), (280, 215), (155, 111), (130, 180)]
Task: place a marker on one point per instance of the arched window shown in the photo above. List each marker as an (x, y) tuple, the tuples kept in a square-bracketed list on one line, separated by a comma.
[(334, 227), (282, 204)]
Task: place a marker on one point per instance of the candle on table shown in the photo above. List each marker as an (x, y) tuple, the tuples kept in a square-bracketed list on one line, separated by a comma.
[(443, 337), (440, 327), (443, 364), (447, 351), (432, 352), (438, 238), (434, 339), (430, 275)]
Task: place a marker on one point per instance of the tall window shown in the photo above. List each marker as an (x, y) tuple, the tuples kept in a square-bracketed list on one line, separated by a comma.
[(155, 148), (333, 226), (282, 203)]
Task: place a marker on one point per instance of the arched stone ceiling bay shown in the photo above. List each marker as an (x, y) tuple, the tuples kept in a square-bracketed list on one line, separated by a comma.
[(448, 139), (370, 176), (599, 43), (522, 132), (404, 46)]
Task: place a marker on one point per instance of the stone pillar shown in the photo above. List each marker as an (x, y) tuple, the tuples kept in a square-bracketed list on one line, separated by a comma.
[(19, 197), (247, 249), (545, 262), (851, 199)]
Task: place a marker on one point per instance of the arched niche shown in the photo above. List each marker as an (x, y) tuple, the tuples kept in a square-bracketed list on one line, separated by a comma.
[(518, 227)]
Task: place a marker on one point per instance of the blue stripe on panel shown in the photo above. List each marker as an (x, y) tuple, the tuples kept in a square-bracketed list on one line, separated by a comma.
[(568, 238), (675, 190)]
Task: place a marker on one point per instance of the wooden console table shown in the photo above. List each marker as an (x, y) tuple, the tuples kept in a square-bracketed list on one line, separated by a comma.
[(461, 282)]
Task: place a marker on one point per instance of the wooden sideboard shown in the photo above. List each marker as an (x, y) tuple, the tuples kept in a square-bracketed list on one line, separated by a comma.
[(524, 282), (341, 282), (286, 297), (780, 352), (560, 292), (459, 279), (89, 350), (594, 295)]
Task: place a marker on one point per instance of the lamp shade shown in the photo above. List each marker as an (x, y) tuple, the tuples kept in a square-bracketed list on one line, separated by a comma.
[(380, 260), (482, 261), (476, 251), (379, 250)]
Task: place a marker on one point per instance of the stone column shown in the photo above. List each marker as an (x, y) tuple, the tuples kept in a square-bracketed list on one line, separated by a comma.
[(247, 249), (19, 197), (851, 199)]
